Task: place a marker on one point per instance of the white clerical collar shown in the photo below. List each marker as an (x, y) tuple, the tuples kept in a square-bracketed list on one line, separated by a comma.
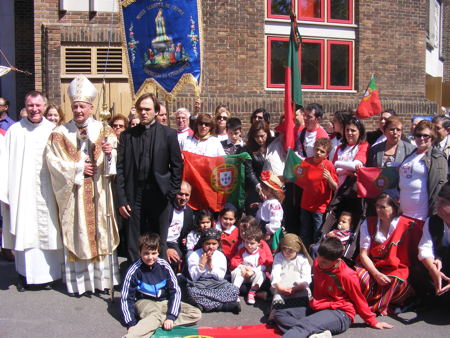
[(150, 124)]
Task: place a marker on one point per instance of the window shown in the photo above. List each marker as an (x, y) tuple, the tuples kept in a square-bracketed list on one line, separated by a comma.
[(331, 11), (326, 54), (92, 60), (329, 68), (340, 62)]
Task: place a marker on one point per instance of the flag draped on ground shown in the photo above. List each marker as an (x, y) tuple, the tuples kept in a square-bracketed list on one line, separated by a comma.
[(373, 181), (292, 86), (215, 181), (293, 167), (247, 331), (370, 104)]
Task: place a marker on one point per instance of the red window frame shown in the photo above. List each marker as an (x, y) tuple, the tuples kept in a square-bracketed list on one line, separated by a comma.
[(275, 16), (350, 14), (322, 63), (304, 18), (350, 64), (269, 53)]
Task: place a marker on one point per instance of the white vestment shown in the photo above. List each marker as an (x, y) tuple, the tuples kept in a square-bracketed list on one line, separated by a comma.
[(88, 240), (29, 209)]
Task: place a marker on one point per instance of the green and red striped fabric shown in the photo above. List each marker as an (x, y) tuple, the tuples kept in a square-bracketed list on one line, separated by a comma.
[(215, 181), (247, 331), (373, 181), (370, 104)]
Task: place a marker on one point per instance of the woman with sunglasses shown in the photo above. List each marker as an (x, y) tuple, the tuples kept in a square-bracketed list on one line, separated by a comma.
[(222, 114), (203, 142), (422, 174)]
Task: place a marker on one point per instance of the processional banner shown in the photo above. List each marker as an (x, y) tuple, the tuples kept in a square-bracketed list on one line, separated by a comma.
[(163, 39)]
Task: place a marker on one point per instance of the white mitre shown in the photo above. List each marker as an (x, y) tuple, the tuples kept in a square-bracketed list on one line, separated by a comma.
[(82, 90)]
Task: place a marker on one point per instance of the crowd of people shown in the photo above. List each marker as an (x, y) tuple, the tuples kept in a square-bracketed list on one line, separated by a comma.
[(75, 195)]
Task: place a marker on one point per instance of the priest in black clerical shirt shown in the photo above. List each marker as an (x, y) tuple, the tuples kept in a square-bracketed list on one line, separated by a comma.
[(149, 171)]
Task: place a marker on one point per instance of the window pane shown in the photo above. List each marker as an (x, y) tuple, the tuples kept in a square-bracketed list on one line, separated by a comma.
[(280, 7), (311, 60), (339, 71), (310, 8), (278, 59), (339, 10)]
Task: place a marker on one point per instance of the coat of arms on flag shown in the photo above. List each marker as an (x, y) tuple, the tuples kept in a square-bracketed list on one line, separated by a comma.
[(222, 178)]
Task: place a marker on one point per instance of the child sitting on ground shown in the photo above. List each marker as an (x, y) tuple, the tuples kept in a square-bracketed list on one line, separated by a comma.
[(270, 212), (250, 263), (229, 237), (342, 232), (207, 266), (203, 221), (150, 291), (337, 297), (291, 274), (246, 223)]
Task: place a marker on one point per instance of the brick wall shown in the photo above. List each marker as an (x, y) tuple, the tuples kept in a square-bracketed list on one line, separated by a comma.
[(390, 43)]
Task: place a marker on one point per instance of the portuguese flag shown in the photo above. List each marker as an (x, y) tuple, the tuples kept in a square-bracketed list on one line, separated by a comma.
[(247, 331), (293, 167), (215, 180), (292, 85), (370, 104), (373, 181)]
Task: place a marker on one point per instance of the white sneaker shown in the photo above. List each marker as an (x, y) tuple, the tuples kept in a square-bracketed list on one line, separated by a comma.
[(324, 334)]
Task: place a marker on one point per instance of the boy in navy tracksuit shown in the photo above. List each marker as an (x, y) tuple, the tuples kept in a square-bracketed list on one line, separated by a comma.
[(150, 291)]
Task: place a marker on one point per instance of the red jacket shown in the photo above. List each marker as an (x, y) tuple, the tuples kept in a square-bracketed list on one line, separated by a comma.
[(229, 243), (262, 260), (338, 289)]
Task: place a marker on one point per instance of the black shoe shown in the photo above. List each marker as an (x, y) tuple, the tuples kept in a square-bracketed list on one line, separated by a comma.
[(21, 286), (48, 286), (73, 294), (234, 307), (102, 292)]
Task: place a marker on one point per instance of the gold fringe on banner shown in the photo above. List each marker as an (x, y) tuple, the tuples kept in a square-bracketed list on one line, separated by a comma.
[(152, 86)]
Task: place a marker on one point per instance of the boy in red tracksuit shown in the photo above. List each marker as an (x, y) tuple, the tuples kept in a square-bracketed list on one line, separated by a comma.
[(337, 297)]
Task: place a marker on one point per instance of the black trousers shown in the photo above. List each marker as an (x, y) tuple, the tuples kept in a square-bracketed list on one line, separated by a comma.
[(150, 213)]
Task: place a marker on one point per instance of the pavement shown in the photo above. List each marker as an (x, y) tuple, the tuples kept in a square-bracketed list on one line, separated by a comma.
[(52, 313)]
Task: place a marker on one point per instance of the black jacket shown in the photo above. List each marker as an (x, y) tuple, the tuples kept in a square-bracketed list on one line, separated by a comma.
[(166, 163)]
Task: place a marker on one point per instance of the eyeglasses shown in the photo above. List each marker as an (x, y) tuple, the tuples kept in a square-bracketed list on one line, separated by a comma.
[(257, 117), (424, 136), (204, 124), (222, 118), (118, 125)]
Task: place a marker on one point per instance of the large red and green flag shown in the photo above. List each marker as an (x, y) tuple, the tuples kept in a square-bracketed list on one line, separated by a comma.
[(370, 104), (246, 331), (293, 167), (215, 181), (292, 85), (373, 181)]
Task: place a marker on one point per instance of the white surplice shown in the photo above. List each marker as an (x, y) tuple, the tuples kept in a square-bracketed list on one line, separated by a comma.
[(29, 209)]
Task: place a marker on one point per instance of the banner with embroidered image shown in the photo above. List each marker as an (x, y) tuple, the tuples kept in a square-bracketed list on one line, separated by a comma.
[(163, 39)]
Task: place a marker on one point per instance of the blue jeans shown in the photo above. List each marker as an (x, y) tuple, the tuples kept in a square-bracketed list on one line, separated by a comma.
[(303, 322), (311, 225)]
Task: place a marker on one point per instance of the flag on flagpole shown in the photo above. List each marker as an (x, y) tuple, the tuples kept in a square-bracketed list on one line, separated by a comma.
[(215, 181), (293, 167), (370, 104), (292, 85), (371, 182)]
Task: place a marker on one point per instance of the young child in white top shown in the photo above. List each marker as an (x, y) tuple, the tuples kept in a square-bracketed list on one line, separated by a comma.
[(291, 271), (203, 221), (270, 211), (250, 263)]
